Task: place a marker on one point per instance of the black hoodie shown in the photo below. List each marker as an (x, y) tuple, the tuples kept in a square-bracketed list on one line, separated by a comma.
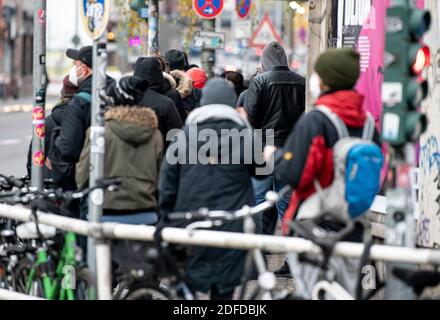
[(166, 111), (275, 99)]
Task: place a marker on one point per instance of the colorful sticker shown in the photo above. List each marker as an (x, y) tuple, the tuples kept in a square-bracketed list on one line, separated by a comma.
[(38, 113), (41, 16), (40, 130), (38, 158)]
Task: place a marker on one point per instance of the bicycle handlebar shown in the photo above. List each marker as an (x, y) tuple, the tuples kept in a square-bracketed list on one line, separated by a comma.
[(25, 196), (214, 215)]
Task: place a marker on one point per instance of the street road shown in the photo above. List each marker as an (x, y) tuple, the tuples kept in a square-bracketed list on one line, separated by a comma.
[(15, 135)]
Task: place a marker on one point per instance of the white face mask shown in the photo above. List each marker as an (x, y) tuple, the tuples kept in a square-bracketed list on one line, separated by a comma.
[(314, 85), (73, 76)]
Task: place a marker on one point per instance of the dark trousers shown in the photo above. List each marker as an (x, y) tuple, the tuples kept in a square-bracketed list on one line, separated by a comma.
[(216, 295)]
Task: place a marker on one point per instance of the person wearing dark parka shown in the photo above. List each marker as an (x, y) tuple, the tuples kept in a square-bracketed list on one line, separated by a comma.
[(216, 185)]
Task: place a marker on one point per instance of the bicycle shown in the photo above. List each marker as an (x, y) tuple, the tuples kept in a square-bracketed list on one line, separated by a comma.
[(327, 286), (42, 271), (206, 219)]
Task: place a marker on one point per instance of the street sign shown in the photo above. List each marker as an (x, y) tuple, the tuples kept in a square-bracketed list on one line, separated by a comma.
[(243, 29), (264, 34), (144, 12), (209, 40), (94, 16), (243, 7), (208, 9)]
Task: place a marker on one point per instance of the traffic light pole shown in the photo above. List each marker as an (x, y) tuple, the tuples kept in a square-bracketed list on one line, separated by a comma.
[(402, 126), (153, 28), (208, 55), (39, 93), (97, 139)]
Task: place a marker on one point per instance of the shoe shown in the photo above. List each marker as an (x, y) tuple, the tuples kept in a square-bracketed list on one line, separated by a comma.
[(284, 271)]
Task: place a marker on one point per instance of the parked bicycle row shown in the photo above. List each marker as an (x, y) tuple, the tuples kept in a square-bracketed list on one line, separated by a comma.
[(41, 261)]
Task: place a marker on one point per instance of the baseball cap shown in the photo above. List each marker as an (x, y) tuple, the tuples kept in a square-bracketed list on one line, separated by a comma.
[(85, 55)]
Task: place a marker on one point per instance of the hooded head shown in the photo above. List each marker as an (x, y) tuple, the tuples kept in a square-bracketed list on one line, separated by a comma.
[(218, 91), (149, 69), (338, 68), (134, 125), (273, 56)]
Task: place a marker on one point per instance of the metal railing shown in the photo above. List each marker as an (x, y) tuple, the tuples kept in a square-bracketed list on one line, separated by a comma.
[(103, 232)]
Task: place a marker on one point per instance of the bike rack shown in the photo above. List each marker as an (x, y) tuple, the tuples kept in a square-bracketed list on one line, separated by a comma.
[(103, 232)]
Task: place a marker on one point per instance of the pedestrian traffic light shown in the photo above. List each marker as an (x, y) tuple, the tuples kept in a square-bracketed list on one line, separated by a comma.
[(405, 60)]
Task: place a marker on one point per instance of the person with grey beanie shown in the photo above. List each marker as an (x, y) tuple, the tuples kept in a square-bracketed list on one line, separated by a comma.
[(213, 181)]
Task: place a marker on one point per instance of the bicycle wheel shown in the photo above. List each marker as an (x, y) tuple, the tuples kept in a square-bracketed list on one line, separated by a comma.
[(21, 275), (146, 291), (85, 285), (6, 280)]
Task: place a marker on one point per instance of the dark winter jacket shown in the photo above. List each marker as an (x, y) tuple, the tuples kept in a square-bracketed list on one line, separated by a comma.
[(185, 187), (169, 88), (68, 145), (133, 152), (308, 155), (51, 122), (75, 122), (154, 98), (275, 98), (241, 99)]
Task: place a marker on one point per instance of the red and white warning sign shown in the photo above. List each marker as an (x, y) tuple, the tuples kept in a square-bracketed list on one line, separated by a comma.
[(264, 34)]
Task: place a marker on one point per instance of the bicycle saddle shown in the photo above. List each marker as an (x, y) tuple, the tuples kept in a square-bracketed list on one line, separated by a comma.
[(418, 280), (28, 230)]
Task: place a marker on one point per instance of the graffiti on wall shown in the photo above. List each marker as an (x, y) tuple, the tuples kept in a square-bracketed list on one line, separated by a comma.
[(428, 230)]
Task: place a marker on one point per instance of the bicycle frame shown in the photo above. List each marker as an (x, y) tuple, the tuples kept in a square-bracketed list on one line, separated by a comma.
[(57, 284)]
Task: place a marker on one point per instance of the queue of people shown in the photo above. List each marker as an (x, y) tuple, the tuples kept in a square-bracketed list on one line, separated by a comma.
[(152, 116)]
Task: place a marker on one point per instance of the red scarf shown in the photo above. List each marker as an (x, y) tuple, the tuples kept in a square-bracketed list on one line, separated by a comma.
[(348, 105)]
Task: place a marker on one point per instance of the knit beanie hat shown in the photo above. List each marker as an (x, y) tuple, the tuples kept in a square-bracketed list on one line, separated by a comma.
[(218, 91), (339, 68), (198, 77), (176, 59)]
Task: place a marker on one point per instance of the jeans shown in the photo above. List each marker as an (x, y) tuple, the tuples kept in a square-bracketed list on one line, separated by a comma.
[(137, 218), (269, 219)]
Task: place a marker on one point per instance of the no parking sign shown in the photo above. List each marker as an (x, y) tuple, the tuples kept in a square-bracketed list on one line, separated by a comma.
[(243, 7), (208, 9)]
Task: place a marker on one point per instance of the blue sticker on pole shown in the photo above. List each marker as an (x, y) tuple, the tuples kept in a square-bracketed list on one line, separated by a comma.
[(94, 16), (208, 9), (243, 7)]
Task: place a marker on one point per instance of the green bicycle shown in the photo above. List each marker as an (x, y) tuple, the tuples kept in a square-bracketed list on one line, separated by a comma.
[(51, 264), (47, 275)]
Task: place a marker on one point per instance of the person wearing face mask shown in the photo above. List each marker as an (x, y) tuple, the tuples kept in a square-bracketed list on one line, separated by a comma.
[(76, 119), (274, 102), (307, 155)]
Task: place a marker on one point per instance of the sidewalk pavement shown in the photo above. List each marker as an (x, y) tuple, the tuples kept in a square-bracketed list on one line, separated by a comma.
[(24, 104)]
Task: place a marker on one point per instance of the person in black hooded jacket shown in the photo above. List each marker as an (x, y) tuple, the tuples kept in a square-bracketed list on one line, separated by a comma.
[(169, 88), (274, 102), (149, 69)]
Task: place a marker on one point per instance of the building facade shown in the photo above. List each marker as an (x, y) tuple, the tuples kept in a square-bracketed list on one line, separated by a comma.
[(16, 38)]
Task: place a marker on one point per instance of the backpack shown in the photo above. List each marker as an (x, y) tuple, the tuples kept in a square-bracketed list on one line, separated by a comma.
[(63, 172), (357, 170)]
